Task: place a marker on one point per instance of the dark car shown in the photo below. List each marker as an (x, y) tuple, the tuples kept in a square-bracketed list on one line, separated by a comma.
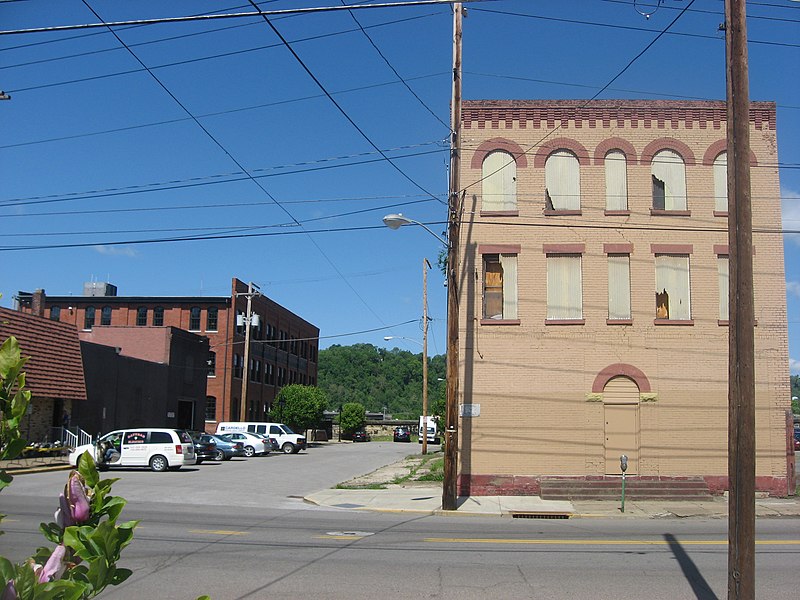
[(402, 434), (205, 448), (797, 440), (360, 436), (227, 449)]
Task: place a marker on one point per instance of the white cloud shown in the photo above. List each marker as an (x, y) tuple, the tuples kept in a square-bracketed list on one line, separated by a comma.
[(794, 366), (790, 208), (116, 250), (793, 288)]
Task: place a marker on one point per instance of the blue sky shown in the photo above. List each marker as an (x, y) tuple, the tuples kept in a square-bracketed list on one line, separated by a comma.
[(209, 129)]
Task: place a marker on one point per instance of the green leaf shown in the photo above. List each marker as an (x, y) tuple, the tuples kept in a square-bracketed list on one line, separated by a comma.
[(87, 468), (62, 589), (7, 570), (5, 478), (120, 575), (13, 449), (51, 531), (98, 573), (25, 583)]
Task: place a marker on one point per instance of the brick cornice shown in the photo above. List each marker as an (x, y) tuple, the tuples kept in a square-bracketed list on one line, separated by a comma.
[(562, 143), (499, 143)]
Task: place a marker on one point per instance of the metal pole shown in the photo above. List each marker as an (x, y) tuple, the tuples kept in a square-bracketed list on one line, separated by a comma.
[(623, 492), (449, 487), (425, 266), (245, 377), (741, 343)]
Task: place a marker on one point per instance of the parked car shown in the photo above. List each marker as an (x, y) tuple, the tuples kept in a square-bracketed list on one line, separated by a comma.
[(253, 445), (271, 441), (797, 440), (360, 436), (289, 441), (402, 434), (205, 448), (159, 449), (226, 449)]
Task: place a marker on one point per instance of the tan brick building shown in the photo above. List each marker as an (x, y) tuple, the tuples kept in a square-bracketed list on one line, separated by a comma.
[(594, 314)]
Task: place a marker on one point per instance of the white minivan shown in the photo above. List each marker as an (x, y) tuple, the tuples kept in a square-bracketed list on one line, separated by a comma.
[(159, 449), (289, 442)]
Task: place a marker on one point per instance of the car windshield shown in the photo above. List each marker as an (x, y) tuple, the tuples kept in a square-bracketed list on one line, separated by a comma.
[(287, 429)]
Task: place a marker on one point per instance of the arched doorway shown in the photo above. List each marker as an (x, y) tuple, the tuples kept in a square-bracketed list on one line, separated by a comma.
[(621, 417)]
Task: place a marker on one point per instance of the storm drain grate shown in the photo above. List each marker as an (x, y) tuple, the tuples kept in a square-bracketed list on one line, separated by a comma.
[(533, 515)]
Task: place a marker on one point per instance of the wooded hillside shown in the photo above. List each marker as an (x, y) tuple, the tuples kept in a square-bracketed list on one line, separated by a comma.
[(376, 377)]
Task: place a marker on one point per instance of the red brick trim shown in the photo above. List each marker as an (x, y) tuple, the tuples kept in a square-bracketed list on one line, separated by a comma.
[(614, 143), (619, 321), (775, 486), (501, 322), (671, 248), (720, 249), (499, 143), (617, 369), (617, 213), (562, 212), (499, 248), (717, 148), (563, 143), (658, 212), (720, 213), (499, 213), (617, 248), (563, 248), (565, 321), (673, 321), (666, 143)]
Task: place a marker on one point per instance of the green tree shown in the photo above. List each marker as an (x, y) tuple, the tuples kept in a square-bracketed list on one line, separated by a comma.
[(795, 387), (303, 405), (352, 418)]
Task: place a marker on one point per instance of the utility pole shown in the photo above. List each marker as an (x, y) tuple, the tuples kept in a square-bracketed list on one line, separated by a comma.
[(449, 487), (741, 345), (425, 266), (248, 319)]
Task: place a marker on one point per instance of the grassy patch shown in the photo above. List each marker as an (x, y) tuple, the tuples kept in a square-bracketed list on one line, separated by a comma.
[(435, 470), (360, 486)]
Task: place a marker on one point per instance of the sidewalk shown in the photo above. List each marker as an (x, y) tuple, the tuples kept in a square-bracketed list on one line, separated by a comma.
[(21, 466), (393, 489)]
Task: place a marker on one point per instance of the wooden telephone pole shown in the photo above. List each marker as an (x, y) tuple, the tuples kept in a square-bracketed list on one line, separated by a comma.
[(425, 266), (449, 487), (741, 346)]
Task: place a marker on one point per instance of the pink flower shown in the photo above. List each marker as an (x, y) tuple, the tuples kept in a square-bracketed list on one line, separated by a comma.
[(78, 502), (63, 514), (54, 567), (9, 592)]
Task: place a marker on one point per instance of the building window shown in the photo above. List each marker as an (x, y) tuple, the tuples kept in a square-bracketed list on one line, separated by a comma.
[(669, 181), (212, 316), (500, 286), (499, 181), (158, 316), (564, 287), (211, 408), (672, 287), (616, 181), (721, 183), (141, 316), (194, 318), (724, 294), (88, 317), (105, 315), (562, 177), (269, 374), (255, 374), (619, 287), (55, 313), (212, 363), (238, 366)]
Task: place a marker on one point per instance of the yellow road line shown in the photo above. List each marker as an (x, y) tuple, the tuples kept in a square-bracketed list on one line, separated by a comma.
[(603, 542), (218, 532)]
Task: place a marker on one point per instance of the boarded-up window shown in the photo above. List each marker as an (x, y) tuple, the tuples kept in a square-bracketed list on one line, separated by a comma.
[(672, 287), (499, 176), (563, 180), (721, 183), (616, 181), (724, 295), (500, 286), (564, 287), (619, 286), (669, 181)]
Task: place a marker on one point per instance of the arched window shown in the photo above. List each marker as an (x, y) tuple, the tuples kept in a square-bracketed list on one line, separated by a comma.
[(616, 180), (669, 181), (88, 317), (158, 316), (194, 318), (562, 177), (105, 315), (499, 180), (721, 183), (212, 315)]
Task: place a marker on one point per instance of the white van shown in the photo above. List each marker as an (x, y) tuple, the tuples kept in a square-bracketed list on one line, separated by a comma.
[(288, 441), (159, 449)]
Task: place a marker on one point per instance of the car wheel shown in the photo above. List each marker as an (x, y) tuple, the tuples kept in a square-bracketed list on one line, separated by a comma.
[(198, 461), (159, 464), (288, 448), (249, 451), (220, 455)]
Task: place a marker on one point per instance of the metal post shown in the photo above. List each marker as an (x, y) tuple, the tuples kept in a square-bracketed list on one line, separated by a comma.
[(449, 487), (741, 343), (425, 266)]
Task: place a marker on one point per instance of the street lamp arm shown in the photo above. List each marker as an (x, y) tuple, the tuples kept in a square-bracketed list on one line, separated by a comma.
[(397, 220), (400, 337)]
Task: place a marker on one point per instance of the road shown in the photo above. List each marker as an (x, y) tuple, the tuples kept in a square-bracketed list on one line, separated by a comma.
[(238, 531)]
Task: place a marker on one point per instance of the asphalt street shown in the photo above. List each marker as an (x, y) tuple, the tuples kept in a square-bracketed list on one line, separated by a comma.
[(238, 530)]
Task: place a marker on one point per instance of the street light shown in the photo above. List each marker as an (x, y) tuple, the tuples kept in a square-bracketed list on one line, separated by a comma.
[(247, 320), (395, 221)]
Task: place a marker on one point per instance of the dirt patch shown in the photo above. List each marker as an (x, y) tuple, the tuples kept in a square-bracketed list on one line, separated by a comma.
[(403, 473)]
